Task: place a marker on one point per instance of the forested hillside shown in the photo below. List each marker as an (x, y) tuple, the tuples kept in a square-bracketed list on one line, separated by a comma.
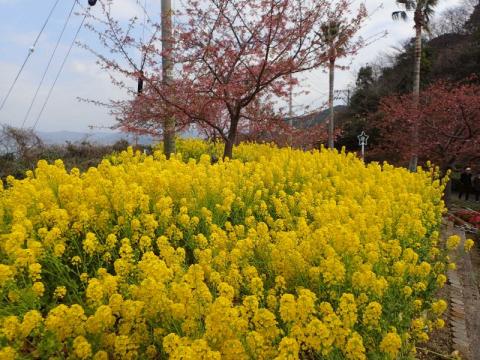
[(451, 54)]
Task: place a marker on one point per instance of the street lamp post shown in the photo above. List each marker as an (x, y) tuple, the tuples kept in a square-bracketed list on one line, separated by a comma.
[(362, 141)]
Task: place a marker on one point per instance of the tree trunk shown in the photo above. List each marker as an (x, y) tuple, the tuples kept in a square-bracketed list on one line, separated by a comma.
[(416, 96), (331, 124), (230, 142), (228, 151), (447, 195), (167, 67)]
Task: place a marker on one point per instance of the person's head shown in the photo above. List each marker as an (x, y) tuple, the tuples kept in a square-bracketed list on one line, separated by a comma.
[(468, 170)]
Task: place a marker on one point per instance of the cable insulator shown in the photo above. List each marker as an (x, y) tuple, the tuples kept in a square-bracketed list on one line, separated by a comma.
[(92, 2)]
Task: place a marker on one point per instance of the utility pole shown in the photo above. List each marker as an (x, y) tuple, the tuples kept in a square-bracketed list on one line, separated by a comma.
[(290, 111), (167, 67), (331, 95)]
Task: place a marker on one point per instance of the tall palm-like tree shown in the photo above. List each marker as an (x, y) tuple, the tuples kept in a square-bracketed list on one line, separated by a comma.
[(422, 13), (331, 32), (338, 35)]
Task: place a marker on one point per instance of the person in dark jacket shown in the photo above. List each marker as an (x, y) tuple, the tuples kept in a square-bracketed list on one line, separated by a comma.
[(476, 186), (465, 183)]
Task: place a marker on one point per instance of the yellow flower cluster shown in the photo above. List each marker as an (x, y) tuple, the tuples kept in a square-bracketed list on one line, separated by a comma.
[(278, 254)]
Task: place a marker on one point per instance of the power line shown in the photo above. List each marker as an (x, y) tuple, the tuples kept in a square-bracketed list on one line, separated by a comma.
[(49, 63), (60, 71), (30, 52)]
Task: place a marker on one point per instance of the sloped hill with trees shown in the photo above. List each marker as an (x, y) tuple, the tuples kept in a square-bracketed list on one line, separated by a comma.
[(451, 53)]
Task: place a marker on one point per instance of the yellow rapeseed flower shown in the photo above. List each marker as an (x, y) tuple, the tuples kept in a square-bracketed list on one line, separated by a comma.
[(391, 344), (276, 253)]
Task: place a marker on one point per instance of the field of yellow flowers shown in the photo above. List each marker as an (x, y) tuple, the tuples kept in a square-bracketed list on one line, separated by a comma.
[(278, 254)]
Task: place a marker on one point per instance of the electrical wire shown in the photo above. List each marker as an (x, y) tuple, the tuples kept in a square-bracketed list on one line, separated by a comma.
[(49, 63), (59, 71), (30, 52)]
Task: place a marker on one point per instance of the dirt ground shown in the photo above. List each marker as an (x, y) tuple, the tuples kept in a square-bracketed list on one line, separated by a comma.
[(440, 344)]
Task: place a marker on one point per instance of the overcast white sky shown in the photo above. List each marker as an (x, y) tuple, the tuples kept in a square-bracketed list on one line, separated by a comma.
[(20, 21)]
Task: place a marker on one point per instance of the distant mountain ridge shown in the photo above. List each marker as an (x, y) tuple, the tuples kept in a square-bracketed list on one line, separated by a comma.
[(110, 138), (314, 118), (101, 138)]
